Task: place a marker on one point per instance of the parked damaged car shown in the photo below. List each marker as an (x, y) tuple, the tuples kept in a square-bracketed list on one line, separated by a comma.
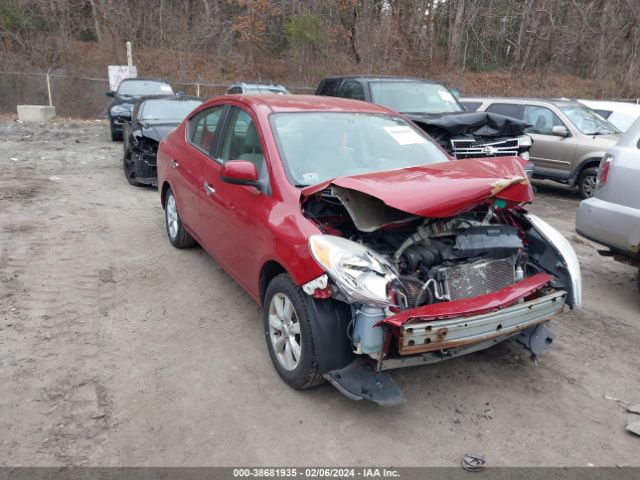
[(128, 93), (151, 120), (368, 247), (435, 109)]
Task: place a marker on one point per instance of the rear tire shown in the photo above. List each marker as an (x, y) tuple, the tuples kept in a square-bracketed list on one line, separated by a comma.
[(115, 136), (289, 334), (178, 236), (587, 182)]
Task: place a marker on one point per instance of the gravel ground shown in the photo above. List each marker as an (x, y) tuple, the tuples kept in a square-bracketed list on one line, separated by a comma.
[(116, 349)]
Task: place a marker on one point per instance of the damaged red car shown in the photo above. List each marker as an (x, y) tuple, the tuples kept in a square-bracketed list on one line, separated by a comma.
[(367, 246)]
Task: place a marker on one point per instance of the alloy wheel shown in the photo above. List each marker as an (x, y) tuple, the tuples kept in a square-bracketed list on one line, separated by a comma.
[(284, 331), (172, 216)]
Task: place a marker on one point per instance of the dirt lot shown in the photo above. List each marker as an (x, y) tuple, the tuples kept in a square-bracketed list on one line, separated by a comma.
[(116, 349)]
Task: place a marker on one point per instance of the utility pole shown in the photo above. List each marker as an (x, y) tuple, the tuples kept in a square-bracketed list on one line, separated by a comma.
[(129, 57)]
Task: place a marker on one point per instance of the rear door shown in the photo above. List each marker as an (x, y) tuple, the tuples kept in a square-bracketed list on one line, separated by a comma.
[(201, 133), (232, 216)]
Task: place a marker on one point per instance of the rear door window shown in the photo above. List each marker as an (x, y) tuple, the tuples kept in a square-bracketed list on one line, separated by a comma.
[(330, 88), (352, 89), (203, 127), (508, 109)]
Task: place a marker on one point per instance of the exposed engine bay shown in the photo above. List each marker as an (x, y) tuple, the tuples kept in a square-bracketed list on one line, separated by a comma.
[(438, 260)]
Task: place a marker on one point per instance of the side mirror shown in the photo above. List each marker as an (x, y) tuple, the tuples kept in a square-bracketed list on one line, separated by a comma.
[(110, 93), (240, 172), (560, 131)]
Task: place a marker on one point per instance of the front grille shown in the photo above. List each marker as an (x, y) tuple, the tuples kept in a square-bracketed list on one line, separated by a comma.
[(477, 278), (469, 148)]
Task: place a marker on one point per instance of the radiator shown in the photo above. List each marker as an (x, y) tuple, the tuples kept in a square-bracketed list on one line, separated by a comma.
[(477, 278)]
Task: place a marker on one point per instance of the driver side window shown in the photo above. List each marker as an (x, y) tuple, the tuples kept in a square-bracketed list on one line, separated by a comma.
[(241, 140), (542, 118)]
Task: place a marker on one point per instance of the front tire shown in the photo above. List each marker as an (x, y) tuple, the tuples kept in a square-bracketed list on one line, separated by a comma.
[(289, 334), (178, 236), (130, 169), (587, 182)]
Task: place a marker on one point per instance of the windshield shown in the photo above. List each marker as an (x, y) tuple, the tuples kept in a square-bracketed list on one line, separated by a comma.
[(588, 121), (319, 146), (134, 88), (414, 97), (167, 110)]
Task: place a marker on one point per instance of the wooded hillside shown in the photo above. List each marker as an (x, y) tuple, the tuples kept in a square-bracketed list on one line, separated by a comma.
[(533, 47)]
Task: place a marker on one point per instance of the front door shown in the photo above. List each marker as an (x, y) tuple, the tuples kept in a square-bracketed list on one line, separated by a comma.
[(232, 216), (552, 155)]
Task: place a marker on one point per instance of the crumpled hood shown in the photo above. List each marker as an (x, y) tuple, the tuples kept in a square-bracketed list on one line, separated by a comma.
[(482, 124), (437, 190), (157, 131)]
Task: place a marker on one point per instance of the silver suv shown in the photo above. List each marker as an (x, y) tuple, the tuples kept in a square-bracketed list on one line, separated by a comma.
[(612, 216), (569, 139)]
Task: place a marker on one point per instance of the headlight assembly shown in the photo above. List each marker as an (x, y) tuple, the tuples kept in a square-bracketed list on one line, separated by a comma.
[(120, 109), (362, 275)]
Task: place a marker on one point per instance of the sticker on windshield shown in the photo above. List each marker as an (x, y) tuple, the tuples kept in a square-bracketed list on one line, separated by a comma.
[(310, 177), (165, 88), (446, 96), (405, 135)]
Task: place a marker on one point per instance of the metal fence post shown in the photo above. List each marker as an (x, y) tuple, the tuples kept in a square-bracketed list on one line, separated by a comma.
[(49, 87)]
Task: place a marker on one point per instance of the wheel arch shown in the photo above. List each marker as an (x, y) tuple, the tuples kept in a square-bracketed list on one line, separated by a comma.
[(268, 272), (589, 162), (163, 192)]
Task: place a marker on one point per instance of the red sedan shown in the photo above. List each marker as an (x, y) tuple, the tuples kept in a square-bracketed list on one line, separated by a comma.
[(367, 246)]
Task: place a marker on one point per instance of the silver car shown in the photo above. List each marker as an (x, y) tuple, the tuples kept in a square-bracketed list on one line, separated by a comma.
[(612, 216)]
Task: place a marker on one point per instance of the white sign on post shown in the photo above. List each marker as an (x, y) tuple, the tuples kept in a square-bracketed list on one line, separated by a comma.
[(117, 73)]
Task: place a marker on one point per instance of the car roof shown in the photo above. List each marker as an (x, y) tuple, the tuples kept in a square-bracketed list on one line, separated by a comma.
[(256, 85), (625, 107), (144, 79), (388, 78), (301, 103), (171, 97), (558, 102)]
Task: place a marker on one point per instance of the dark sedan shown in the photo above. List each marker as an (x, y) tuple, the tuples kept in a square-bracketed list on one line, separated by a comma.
[(151, 120), (128, 93)]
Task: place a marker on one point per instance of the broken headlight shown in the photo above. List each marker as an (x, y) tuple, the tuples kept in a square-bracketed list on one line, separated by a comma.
[(362, 275)]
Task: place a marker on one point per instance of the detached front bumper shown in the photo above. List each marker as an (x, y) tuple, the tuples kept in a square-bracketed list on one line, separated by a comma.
[(443, 335), (471, 321)]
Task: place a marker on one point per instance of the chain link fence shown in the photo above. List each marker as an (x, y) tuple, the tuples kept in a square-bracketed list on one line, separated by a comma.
[(84, 97)]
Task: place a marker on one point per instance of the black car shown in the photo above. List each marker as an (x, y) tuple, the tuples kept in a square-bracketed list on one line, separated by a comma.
[(129, 91), (151, 120), (435, 109)]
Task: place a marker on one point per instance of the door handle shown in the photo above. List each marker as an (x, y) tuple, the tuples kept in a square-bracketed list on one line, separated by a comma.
[(173, 164), (207, 188)]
